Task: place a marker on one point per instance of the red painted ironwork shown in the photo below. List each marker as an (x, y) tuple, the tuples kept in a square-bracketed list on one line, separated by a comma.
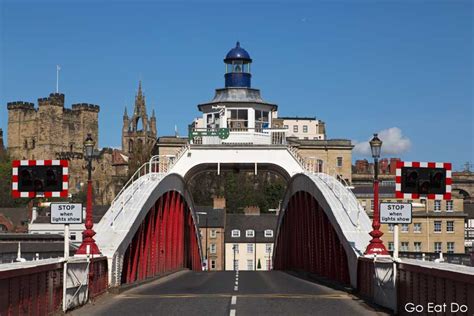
[(308, 242), (98, 277), (422, 285), (164, 242), (376, 246), (88, 234), (31, 291)]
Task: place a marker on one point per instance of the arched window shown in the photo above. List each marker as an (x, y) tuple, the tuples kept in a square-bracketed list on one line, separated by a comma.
[(320, 165), (130, 146), (71, 148)]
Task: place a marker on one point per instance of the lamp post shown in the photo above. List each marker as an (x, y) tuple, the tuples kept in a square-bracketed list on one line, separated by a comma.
[(88, 245), (207, 263), (376, 246), (233, 248)]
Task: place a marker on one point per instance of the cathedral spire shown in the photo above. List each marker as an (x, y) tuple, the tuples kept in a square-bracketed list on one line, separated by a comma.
[(153, 113), (140, 88), (125, 114)]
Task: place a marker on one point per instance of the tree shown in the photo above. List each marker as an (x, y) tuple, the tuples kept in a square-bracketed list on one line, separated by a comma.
[(259, 265), (6, 199)]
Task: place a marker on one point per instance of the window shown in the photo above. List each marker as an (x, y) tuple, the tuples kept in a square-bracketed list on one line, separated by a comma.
[(249, 233), (213, 233), (437, 246), (33, 143), (417, 246), (25, 144), (212, 248), (450, 247), (339, 162), (404, 246), (269, 264), (249, 248), (285, 126), (235, 248), (437, 205), (437, 226), (213, 264), (450, 226), (390, 246), (268, 248), (268, 233), (417, 227), (249, 264), (305, 128), (449, 205), (391, 227), (235, 233), (72, 236), (372, 205), (404, 228), (295, 128)]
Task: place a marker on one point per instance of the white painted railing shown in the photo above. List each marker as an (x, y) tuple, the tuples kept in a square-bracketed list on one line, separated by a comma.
[(335, 182)]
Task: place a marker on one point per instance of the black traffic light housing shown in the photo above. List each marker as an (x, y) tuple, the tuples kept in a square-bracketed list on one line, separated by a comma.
[(419, 180), (40, 179)]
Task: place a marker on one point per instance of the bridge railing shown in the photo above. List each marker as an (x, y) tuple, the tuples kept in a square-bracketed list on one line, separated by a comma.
[(250, 136), (156, 164)]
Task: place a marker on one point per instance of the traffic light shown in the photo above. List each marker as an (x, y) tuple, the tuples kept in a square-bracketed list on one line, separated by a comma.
[(40, 178), (47, 178), (421, 180)]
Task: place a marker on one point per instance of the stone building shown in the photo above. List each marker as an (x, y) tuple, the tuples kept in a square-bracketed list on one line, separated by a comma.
[(52, 131), (438, 225), (2, 146), (138, 132)]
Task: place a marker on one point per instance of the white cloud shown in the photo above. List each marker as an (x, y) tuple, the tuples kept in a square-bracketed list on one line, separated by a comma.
[(394, 143)]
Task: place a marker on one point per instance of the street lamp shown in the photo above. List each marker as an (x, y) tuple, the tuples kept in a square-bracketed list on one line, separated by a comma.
[(88, 245), (205, 213), (376, 246)]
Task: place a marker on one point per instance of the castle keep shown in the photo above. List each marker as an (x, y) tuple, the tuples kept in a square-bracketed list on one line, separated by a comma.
[(50, 131)]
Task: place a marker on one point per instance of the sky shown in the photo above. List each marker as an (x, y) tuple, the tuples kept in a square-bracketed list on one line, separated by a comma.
[(402, 68)]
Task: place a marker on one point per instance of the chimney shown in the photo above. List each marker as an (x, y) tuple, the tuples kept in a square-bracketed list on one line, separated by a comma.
[(218, 202), (252, 210)]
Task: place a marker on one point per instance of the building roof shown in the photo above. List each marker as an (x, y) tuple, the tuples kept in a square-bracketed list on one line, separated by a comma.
[(303, 118), (236, 96), (242, 222), (215, 217), (368, 190), (237, 53), (33, 243), (17, 215)]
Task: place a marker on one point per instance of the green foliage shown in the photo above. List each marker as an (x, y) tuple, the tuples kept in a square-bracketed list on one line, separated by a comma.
[(6, 199), (240, 189)]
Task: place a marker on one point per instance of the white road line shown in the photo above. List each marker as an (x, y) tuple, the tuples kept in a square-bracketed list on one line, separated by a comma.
[(236, 288), (232, 312), (236, 282), (233, 301)]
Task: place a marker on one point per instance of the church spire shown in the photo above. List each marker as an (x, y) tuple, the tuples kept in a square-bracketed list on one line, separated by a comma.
[(140, 88), (125, 114)]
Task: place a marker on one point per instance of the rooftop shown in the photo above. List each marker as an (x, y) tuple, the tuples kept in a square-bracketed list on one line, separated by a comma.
[(258, 223)]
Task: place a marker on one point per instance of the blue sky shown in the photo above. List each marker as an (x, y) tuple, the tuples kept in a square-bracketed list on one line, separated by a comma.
[(401, 67)]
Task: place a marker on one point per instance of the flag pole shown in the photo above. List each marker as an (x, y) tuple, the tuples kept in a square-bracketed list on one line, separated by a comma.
[(57, 78)]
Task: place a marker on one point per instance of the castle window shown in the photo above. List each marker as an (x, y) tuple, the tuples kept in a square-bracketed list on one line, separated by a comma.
[(33, 143), (25, 144), (130, 146), (71, 147)]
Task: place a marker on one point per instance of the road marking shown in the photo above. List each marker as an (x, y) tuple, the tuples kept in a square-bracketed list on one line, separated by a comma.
[(275, 295), (236, 288), (232, 312), (236, 282), (233, 301)]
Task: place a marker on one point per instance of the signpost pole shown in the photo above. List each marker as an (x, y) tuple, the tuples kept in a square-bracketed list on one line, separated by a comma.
[(395, 241), (66, 258)]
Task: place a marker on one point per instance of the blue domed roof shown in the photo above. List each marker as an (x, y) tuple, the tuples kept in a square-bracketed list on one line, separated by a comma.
[(237, 53)]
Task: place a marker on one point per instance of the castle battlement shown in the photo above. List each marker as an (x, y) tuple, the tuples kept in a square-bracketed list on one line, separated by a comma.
[(53, 99), (21, 105), (85, 107)]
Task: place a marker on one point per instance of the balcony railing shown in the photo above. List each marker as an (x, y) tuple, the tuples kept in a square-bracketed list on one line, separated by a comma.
[(250, 136)]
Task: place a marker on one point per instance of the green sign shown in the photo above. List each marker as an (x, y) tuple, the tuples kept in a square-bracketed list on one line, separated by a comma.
[(222, 133)]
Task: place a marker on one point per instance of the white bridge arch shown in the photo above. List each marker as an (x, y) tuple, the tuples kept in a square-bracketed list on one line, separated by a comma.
[(162, 174)]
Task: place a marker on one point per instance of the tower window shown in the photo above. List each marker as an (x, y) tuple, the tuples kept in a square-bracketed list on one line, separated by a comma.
[(33, 143), (130, 146), (25, 144)]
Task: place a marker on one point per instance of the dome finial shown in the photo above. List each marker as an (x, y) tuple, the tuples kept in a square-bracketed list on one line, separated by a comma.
[(238, 44)]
